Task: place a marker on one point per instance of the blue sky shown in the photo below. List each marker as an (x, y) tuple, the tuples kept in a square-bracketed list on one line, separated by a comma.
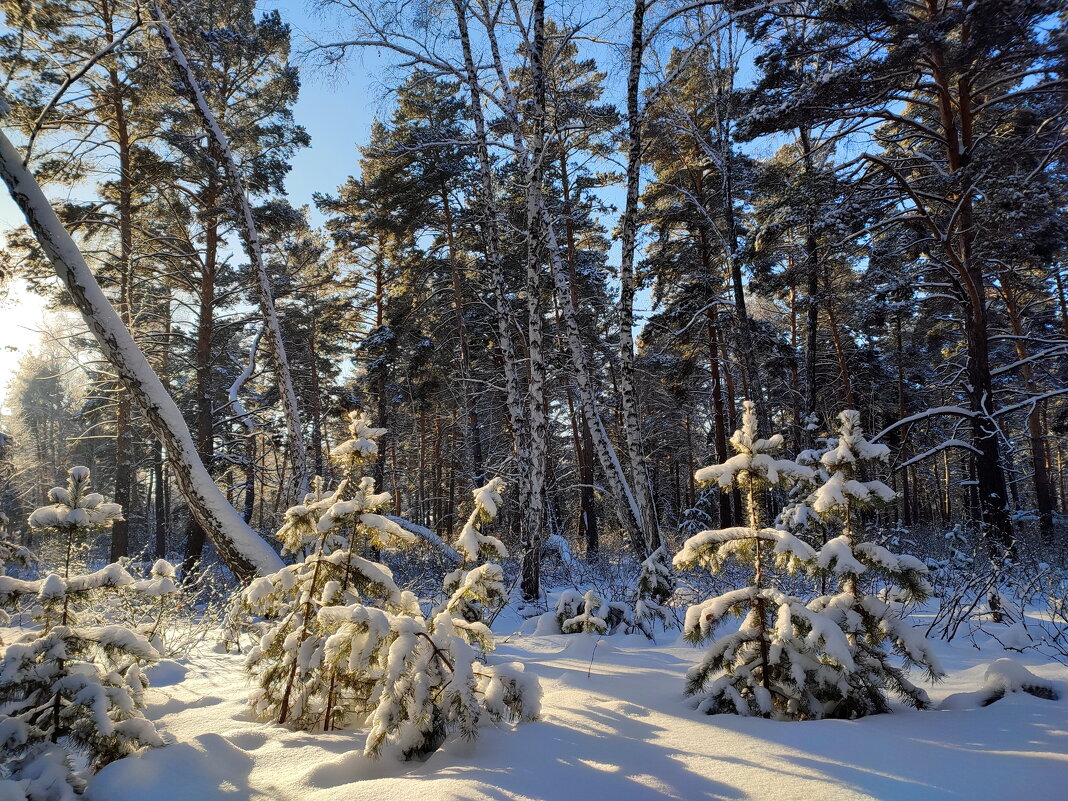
[(337, 109)]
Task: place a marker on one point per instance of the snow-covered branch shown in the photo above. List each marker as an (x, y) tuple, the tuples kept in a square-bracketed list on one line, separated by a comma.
[(241, 548)]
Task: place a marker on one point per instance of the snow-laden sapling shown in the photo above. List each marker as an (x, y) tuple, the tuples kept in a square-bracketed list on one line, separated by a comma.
[(473, 591), (295, 685), (654, 589), (589, 613), (431, 682), (876, 630), (784, 656), (345, 646), (71, 685), (157, 600), (13, 555)]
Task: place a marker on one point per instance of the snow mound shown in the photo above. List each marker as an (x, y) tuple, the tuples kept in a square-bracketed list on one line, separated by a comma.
[(1002, 677), (1006, 676), (165, 673), (208, 767), (541, 625)]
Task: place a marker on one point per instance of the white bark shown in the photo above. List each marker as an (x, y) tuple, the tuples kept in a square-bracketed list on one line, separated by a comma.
[(506, 322), (625, 504), (241, 414), (251, 238), (241, 548), (533, 505), (639, 472)]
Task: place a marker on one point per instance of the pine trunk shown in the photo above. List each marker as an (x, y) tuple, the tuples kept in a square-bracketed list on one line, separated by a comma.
[(244, 551)]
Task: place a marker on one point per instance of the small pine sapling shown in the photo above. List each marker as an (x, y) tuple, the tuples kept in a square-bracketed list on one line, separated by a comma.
[(473, 589), (877, 632), (436, 684), (655, 587), (295, 686), (342, 645), (784, 654), (70, 685), (589, 613), (420, 683), (12, 555), (159, 595)]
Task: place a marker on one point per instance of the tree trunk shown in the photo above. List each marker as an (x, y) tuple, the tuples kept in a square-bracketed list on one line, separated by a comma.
[(963, 268), (124, 470), (1036, 435), (639, 472), (489, 226), (615, 478), (243, 551), (474, 433), (194, 533), (533, 505), (251, 239), (587, 528)]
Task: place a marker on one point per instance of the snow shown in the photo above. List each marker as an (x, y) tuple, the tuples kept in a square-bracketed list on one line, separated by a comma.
[(614, 724), (132, 366), (1009, 676)]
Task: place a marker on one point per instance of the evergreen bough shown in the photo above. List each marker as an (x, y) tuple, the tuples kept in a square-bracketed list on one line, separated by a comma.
[(71, 685), (785, 657)]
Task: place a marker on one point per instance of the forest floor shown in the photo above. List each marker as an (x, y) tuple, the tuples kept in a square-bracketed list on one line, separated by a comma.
[(616, 726)]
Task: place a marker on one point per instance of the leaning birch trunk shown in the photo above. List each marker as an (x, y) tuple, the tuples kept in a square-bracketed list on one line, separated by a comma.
[(240, 548), (251, 238), (631, 424), (625, 505), (506, 322)]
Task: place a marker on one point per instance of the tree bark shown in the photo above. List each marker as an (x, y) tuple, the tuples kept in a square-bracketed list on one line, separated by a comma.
[(474, 433), (533, 506), (240, 548), (639, 472), (251, 239), (489, 225)]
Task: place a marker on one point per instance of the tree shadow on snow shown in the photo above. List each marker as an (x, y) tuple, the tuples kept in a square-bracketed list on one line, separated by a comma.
[(587, 758), (967, 755)]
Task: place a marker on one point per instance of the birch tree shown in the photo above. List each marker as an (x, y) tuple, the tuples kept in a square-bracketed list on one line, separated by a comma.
[(220, 147), (238, 545)]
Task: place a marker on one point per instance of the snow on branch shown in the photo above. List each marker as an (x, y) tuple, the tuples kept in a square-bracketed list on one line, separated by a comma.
[(934, 412), (949, 443)]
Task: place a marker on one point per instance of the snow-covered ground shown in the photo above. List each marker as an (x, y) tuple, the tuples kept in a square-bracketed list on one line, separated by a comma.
[(615, 726)]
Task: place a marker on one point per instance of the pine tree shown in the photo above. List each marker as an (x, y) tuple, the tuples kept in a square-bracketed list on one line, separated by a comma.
[(72, 683), (876, 630), (589, 613), (296, 686), (785, 657), (654, 589), (343, 645), (473, 587)]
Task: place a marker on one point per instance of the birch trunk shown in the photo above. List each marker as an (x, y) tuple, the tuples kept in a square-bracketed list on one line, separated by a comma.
[(243, 551), (618, 486), (490, 215), (251, 239), (639, 472), (533, 506)]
